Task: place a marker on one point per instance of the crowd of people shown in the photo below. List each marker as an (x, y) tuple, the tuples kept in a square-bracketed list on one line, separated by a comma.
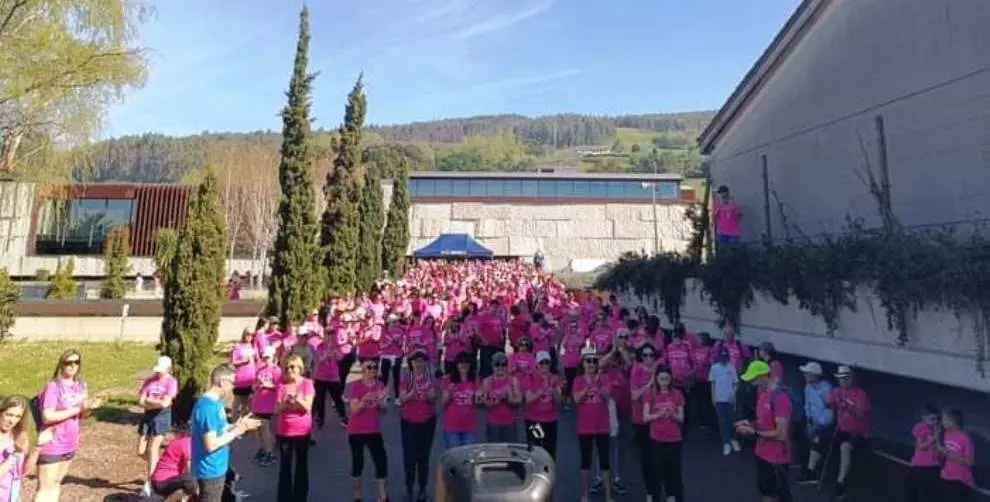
[(452, 338)]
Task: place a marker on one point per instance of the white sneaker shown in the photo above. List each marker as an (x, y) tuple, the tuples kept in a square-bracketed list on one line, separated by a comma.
[(726, 450), (146, 489), (735, 445)]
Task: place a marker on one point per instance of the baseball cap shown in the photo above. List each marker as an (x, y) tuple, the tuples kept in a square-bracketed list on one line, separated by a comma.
[(756, 369), (811, 368), (542, 356), (163, 364), (500, 357), (843, 371), (268, 351)]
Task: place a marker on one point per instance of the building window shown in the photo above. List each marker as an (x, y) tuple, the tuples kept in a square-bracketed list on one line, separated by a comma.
[(478, 188), (460, 188), (529, 188), (482, 188), (546, 188), (80, 226)]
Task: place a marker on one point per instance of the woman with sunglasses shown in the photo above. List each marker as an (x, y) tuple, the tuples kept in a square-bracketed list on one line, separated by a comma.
[(293, 427), (571, 343), (664, 411), (418, 396), (522, 362), (640, 383), (591, 395), (459, 398), (616, 364), (243, 358), (63, 402), (500, 393), (367, 399), (543, 395), (266, 382)]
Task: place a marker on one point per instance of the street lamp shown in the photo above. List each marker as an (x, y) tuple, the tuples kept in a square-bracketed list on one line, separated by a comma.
[(652, 187)]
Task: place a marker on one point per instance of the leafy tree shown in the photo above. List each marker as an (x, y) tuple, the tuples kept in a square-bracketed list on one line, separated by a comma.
[(166, 242), (339, 231), (395, 238), (63, 286), (384, 160), (9, 296), (62, 63), (294, 287), (194, 294), (635, 148), (117, 249), (372, 218)]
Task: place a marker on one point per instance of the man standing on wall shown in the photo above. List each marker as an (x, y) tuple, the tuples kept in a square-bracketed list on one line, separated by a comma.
[(727, 217)]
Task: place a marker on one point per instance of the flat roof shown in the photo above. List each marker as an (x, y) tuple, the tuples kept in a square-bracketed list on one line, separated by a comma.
[(534, 175)]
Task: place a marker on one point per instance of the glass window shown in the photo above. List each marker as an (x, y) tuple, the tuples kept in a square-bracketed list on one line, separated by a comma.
[(598, 189), (529, 188), (546, 188), (616, 189), (120, 211), (495, 188), (512, 188), (636, 190), (441, 188), (565, 188), (581, 188), (460, 188), (670, 190), (477, 188)]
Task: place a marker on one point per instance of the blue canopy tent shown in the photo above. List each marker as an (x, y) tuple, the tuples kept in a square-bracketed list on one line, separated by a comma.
[(454, 246)]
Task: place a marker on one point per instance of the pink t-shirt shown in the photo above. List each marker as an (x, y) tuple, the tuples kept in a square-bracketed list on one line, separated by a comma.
[(266, 382), (843, 398), (370, 345), (174, 460), (456, 341), (738, 353), (772, 450), (618, 377), (369, 419), (294, 422), (392, 338), (159, 387), (602, 338), (544, 408), (924, 457), (679, 359), (701, 358), (727, 215), (518, 328), (417, 407), (665, 429), (639, 376), (242, 357), (542, 337), (490, 328), (592, 411), (16, 473), (522, 363), (572, 344), (958, 443), (777, 370), (61, 395), (459, 414), (497, 390)]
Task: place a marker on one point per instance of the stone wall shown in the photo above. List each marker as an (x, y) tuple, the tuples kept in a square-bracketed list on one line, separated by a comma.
[(563, 232), (16, 201)]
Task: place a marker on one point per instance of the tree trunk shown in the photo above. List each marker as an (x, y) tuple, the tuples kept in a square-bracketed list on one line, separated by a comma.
[(8, 150)]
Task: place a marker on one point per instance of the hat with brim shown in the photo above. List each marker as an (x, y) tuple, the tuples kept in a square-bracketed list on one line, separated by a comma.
[(163, 365), (811, 368), (843, 372), (542, 356), (756, 369)]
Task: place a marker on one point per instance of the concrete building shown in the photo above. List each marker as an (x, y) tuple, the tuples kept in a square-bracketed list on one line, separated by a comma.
[(574, 218)]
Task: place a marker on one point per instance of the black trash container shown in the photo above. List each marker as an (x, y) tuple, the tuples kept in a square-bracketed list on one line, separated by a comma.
[(498, 472)]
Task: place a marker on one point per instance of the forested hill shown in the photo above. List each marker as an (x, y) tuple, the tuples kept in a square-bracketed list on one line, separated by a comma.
[(651, 142)]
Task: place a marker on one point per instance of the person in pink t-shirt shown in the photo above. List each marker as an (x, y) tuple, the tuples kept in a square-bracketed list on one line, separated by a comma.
[(418, 423), (853, 417), (327, 380), (522, 363), (15, 451), (460, 396), (171, 478), (570, 352), (243, 358), (922, 483), (155, 396), (591, 396), (663, 409), (393, 335), (63, 403), (960, 455), (739, 354), (367, 399), (727, 216), (266, 381), (293, 427), (542, 394), (701, 411), (500, 393), (771, 428), (641, 377)]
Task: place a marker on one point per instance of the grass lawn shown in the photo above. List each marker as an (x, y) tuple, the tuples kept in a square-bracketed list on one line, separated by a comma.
[(112, 368), (630, 136)]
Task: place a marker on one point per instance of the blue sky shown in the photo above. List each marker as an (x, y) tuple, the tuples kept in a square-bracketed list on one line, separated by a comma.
[(218, 67)]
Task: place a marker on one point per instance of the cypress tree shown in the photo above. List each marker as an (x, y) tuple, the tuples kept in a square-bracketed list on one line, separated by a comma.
[(117, 249), (294, 286), (10, 295), (194, 294), (395, 238), (372, 219), (63, 285), (339, 230), (166, 242)]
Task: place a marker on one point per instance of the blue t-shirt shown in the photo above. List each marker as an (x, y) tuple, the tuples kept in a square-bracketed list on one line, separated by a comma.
[(723, 378), (208, 415)]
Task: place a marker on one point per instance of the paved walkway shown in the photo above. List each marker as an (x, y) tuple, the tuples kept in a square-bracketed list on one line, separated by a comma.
[(708, 476)]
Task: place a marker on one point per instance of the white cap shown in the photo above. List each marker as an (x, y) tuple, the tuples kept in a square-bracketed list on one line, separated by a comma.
[(588, 352), (303, 330), (542, 356), (163, 364), (268, 351), (843, 371), (811, 368)]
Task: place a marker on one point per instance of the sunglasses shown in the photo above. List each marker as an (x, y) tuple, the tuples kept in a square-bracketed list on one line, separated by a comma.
[(544, 363), (500, 365), (648, 354), (663, 378), (295, 367), (370, 367), (71, 362), (591, 360)]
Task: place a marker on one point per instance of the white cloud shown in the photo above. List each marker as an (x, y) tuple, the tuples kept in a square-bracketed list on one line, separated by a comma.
[(501, 21)]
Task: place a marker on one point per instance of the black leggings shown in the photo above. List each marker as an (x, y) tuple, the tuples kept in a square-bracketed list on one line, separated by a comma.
[(667, 470), (293, 468), (417, 443), (600, 443), (956, 491), (336, 391), (922, 484), (387, 368), (376, 447), (344, 365), (641, 442), (548, 431)]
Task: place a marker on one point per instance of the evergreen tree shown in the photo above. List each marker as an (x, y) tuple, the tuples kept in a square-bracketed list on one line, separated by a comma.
[(116, 253), (295, 284), (395, 238), (166, 242), (63, 285), (339, 230), (194, 294), (10, 294), (372, 219)]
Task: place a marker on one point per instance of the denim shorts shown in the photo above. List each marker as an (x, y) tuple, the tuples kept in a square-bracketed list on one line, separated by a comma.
[(155, 423), (45, 459)]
